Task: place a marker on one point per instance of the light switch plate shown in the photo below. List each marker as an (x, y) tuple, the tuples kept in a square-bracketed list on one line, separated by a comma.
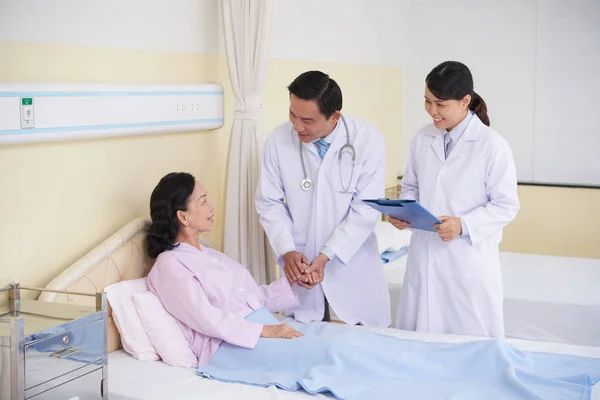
[(27, 114)]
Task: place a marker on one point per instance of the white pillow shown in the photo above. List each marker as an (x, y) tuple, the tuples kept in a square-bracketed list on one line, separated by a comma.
[(133, 337), (389, 238), (164, 332)]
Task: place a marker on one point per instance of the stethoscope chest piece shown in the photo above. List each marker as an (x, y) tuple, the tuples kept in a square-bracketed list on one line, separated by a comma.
[(306, 184)]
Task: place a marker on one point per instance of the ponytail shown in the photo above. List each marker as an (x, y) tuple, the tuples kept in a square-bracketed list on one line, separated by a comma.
[(478, 106), (164, 228)]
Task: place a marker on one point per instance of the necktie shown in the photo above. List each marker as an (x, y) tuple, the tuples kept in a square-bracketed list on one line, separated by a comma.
[(322, 147), (447, 144)]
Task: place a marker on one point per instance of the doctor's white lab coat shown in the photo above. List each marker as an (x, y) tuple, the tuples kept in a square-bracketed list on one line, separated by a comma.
[(307, 221), (456, 286)]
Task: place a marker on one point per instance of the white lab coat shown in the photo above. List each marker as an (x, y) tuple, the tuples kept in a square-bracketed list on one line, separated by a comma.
[(456, 286), (354, 281)]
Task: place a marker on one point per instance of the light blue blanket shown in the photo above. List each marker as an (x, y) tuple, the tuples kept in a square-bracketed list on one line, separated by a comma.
[(389, 256), (352, 363)]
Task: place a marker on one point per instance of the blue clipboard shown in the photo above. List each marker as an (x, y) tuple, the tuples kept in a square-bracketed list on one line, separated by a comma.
[(406, 210)]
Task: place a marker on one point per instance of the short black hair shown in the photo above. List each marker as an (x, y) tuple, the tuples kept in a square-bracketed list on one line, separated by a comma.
[(318, 86)]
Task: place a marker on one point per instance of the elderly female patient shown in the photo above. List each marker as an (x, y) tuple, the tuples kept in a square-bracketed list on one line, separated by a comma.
[(225, 317), (208, 293)]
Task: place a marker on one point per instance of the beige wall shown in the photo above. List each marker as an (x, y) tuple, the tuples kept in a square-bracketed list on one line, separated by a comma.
[(555, 221), (58, 200)]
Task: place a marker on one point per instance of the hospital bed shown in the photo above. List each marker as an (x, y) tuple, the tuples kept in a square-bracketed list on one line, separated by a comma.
[(122, 256), (546, 298)]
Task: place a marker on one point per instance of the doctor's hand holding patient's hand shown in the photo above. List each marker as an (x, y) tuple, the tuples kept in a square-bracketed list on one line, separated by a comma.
[(399, 224), (294, 264), (315, 271), (449, 229)]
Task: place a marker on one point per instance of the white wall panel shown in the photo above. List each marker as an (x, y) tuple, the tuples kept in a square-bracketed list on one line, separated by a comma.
[(74, 111)]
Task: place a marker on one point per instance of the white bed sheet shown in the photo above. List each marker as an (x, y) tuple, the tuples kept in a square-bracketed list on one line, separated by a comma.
[(546, 298), (145, 380)]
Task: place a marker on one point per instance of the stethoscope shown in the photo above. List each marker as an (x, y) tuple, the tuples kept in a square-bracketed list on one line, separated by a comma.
[(307, 184)]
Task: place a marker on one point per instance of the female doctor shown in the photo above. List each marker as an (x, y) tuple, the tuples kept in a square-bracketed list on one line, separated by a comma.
[(463, 171)]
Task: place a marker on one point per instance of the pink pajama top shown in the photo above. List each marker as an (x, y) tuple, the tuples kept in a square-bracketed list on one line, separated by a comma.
[(210, 294)]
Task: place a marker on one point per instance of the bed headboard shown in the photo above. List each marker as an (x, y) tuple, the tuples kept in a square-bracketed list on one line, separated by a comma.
[(120, 257)]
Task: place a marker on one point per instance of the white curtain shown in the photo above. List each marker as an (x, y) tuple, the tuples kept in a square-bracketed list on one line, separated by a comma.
[(247, 30)]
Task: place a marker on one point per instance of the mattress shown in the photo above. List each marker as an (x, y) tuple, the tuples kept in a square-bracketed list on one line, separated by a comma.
[(131, 379), (136, 380), (546, 298)]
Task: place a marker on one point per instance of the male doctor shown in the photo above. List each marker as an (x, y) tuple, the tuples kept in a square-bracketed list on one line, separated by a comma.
[(316, 170)]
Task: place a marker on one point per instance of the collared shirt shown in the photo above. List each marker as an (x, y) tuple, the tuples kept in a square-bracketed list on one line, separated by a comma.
[(457, 132), (328, 139)]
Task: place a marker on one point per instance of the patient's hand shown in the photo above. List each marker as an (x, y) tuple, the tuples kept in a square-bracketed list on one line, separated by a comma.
[(281, 331), (315, 272), (293, 266), (313, 278)]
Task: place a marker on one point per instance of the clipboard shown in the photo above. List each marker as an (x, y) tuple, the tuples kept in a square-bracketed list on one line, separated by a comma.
[(407, 210)]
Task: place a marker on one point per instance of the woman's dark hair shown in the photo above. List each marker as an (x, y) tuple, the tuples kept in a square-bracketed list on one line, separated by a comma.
[(318, 86), (169, 196), (452, 80)]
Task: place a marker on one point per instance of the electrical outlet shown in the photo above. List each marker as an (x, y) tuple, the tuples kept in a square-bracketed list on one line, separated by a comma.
[(180, 108), (187, 108)]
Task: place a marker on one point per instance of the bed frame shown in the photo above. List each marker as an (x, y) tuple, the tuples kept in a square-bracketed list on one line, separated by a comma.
[(120, 257)]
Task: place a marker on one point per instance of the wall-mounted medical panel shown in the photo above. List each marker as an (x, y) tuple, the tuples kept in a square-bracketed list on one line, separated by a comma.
[(31, 112)]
